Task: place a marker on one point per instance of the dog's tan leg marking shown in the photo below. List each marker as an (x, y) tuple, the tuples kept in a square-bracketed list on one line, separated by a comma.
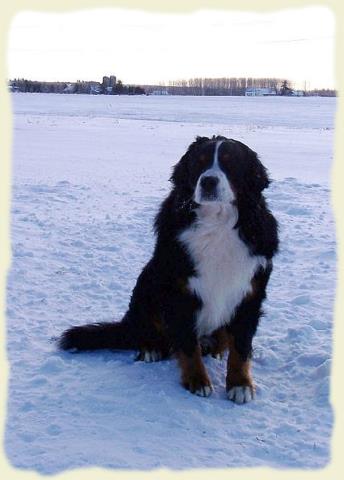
[(239, 384), (194, 374)]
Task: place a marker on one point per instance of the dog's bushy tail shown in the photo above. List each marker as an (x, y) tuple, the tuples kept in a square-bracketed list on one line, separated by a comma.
[(120, 335)]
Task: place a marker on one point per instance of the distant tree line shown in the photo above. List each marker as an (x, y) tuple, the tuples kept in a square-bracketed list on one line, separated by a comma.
[(322, 92), (231, 86), (83, 87), (235, 86), (220, 86), (23, 85)]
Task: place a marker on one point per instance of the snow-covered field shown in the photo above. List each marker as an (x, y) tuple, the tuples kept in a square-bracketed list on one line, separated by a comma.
[(88, 175)]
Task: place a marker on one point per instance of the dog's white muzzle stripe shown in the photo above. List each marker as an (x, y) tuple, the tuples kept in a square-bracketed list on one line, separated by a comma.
[(223, 192)]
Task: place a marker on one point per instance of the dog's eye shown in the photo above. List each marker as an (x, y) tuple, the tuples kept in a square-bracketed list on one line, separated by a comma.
[(202, 160), (225, 158)]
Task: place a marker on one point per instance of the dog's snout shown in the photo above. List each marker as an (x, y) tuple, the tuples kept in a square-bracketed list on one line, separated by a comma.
[(209, 183)]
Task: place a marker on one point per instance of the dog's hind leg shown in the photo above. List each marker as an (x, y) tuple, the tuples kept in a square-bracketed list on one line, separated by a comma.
[(154, 345)]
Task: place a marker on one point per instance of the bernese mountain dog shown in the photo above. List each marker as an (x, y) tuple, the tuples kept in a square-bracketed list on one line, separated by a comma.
[(202, 291)]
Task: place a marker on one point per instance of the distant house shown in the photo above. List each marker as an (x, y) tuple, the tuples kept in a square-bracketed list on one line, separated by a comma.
[(13, 88), (259, 92), (159, 92), (297, 93)]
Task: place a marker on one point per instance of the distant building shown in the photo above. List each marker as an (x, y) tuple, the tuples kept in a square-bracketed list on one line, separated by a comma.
[(108, 84), (13, 88), (259, 92), (160, 92), (297, 93)]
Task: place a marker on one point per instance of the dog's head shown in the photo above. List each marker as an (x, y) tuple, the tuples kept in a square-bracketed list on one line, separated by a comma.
[(219, 170)]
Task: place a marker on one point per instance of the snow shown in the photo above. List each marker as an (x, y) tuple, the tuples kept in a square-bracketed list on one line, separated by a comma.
[(89, 173)]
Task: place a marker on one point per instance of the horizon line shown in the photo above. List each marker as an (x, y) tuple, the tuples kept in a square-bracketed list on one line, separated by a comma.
[(166, 84)]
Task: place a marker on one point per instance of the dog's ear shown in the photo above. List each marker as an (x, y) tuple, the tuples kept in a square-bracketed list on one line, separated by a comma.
[(258, 178), (180, 171)]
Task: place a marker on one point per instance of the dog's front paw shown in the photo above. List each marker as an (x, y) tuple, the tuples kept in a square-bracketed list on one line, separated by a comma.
[(198, 388), (204, 391), (241, 393), (194, 375)]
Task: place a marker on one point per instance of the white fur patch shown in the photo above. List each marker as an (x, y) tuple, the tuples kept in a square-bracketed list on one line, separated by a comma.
[(240, 394), (223, 264)]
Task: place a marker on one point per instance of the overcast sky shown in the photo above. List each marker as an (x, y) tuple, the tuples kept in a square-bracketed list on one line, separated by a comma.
[(141, 47)]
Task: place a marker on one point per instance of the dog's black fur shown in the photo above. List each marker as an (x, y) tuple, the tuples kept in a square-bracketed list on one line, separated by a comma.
[(162, 311)]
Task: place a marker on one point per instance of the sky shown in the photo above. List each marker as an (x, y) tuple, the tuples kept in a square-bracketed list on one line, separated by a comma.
[(148, 48)]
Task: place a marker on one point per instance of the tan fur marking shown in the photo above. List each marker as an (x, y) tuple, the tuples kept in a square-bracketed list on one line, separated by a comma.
[(182, 285), (238, 371), (254, 289), (218, 343), (221, 336), (156, 321), (194, 374)]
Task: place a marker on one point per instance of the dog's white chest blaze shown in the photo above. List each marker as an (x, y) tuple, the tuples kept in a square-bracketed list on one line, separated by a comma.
[(223, 264)]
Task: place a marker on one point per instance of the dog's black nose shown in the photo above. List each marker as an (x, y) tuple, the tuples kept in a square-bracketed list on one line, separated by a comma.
[(209, 183)]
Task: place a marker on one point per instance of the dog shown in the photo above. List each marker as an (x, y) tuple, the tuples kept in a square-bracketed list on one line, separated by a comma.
[(202, 291)]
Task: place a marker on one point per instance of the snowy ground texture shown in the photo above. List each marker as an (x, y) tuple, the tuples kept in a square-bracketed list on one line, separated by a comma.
[(88, 176)]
